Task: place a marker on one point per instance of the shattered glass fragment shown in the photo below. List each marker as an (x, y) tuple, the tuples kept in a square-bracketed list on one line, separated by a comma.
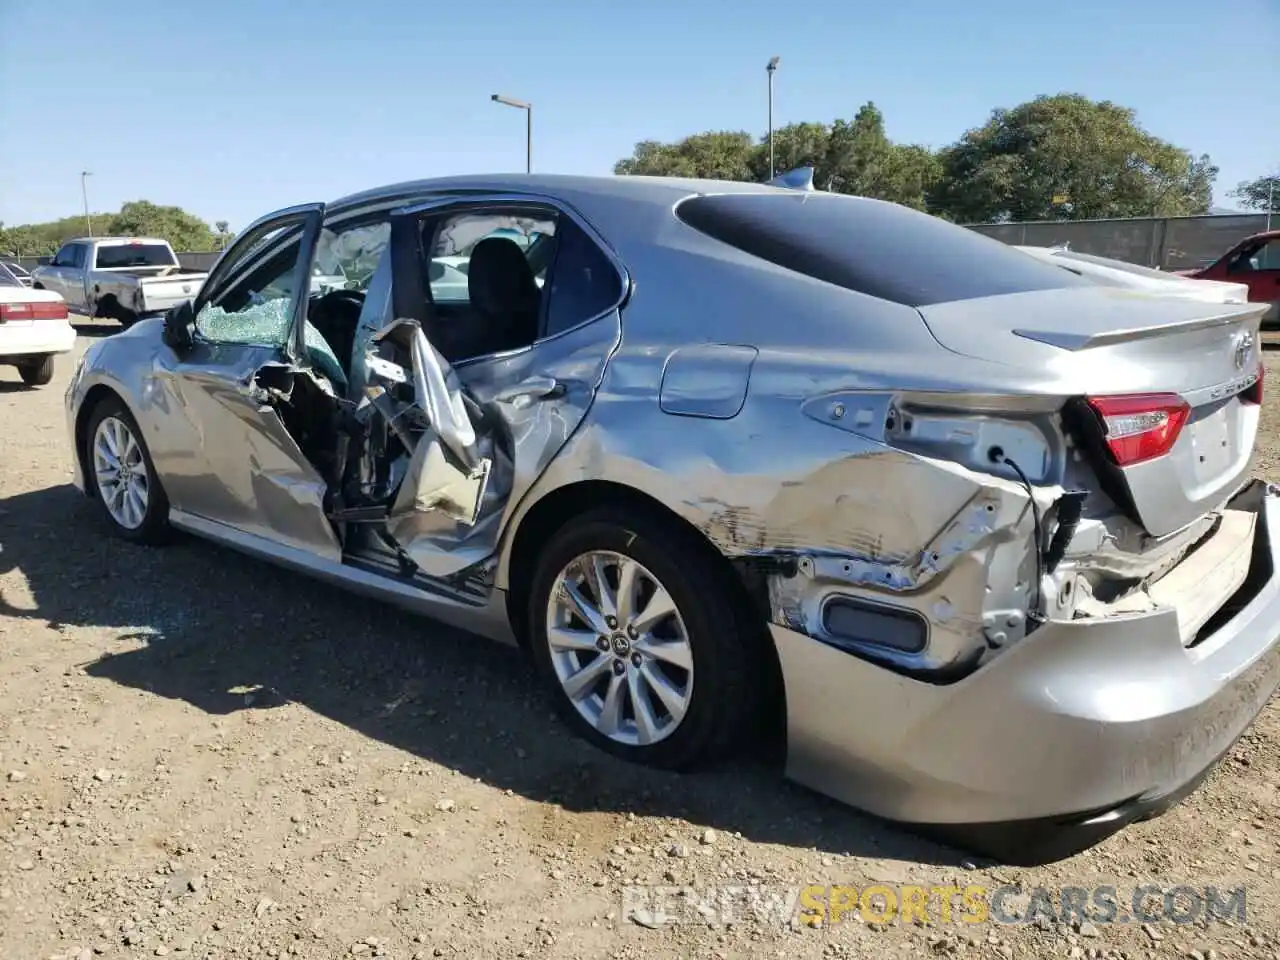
[(267, 324)]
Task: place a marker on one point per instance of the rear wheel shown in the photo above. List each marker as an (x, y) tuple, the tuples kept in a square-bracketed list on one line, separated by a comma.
[(38, 372), (635, 632), (123, 476)]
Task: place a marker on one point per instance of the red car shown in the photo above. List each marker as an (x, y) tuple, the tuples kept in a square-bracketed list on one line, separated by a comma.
[(1254, 261)]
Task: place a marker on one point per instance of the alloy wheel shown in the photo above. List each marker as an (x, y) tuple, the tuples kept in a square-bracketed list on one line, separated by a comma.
[(619, 648), (120, 471)]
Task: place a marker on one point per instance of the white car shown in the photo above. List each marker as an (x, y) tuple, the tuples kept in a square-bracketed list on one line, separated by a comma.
[(18, 270), (1117, 273), (34, 328)]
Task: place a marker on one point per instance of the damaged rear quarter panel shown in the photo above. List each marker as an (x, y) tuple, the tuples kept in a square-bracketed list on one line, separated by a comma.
[(854, 515)]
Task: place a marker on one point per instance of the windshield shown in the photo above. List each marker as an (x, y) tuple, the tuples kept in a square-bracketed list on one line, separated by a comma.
[(7, 278), (16, 269), (135, 255)]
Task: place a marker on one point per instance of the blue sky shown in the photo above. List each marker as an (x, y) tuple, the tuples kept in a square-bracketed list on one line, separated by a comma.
[(232, 108)]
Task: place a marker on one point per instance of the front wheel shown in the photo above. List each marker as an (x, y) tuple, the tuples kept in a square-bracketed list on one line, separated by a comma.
[(123, 475), (634, 630), (37, 373)]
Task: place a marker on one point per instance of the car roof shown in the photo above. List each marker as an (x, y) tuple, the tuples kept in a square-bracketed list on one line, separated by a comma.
[(1264, 235), (115, 240), (658, 191)]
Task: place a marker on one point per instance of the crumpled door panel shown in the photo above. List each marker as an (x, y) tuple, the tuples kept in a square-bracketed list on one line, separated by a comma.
[(445, 513)]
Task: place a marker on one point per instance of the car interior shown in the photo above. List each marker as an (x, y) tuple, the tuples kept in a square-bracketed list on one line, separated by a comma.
[(502, 308), (359, 421), (359, 413)]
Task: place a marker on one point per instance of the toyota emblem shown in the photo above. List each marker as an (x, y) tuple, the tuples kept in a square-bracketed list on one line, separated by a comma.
[(186, 288), (1244, 347)]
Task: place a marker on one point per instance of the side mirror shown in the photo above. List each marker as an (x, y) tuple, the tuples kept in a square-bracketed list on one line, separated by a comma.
[(178, 324)]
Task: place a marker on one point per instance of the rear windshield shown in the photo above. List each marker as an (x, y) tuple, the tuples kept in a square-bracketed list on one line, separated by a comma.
[(135, 255), (880, 249)]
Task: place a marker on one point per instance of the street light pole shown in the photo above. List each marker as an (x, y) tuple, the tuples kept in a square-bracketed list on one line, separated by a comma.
[(771, 69), (1271, 199), (528, 126), (84, 195)]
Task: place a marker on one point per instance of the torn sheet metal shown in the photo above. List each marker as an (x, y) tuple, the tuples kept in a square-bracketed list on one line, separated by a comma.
[(435, 481), (436, 388), (439, 394), (446, 511), (432, 520)]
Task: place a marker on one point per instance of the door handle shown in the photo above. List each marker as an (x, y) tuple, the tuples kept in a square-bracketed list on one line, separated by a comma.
[(528, 391)]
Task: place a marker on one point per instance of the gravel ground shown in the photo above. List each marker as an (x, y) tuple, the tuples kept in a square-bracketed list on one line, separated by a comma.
[(203, 756)]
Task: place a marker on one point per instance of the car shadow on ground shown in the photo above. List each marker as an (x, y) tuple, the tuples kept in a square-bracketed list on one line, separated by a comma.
[(94, 329), (213, 622)]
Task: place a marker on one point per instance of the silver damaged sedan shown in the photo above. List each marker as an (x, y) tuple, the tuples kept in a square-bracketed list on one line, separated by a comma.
[(978, 540)]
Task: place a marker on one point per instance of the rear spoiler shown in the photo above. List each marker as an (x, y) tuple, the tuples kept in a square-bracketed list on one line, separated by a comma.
[(1074, 340), (800, 178)]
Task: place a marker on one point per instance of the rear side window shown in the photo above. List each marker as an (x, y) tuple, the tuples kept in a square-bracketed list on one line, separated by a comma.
[(584, 283), (876, 248)]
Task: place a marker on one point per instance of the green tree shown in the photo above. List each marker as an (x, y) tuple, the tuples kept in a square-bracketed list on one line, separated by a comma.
[(721, 155), (847, 156), (1067, 157), (183, 230), (140, 218), (1254, 194), (862, 160)]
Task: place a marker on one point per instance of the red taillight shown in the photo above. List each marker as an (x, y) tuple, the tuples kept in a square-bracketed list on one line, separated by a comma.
[(1254, 393), (1141, 427), (33, 311)]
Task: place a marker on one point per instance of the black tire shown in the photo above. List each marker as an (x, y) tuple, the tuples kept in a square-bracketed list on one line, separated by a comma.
[(726, 663), (37, 373), (109, 308), (154, 528)]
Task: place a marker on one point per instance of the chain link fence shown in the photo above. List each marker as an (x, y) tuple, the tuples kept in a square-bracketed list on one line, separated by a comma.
[(1170, 243)]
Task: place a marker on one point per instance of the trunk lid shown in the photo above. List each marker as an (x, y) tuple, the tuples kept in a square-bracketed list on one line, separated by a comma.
[(1083, 343)]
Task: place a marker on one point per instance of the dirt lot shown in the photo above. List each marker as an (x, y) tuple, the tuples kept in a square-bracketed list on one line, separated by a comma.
[(203, 756)]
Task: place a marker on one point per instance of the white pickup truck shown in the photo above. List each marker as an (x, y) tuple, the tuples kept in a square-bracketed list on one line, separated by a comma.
[(122, 278)]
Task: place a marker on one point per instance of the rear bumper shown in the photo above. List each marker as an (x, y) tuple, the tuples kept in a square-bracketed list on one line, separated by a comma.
[(1085, 726), (35, 338)]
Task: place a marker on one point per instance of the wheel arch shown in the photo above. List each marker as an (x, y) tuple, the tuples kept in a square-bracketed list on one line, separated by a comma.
[(93, 397), (105, 305), (559, 506)]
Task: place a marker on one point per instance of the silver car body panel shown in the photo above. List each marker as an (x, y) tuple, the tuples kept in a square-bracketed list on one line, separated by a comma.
[(832, 462)]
